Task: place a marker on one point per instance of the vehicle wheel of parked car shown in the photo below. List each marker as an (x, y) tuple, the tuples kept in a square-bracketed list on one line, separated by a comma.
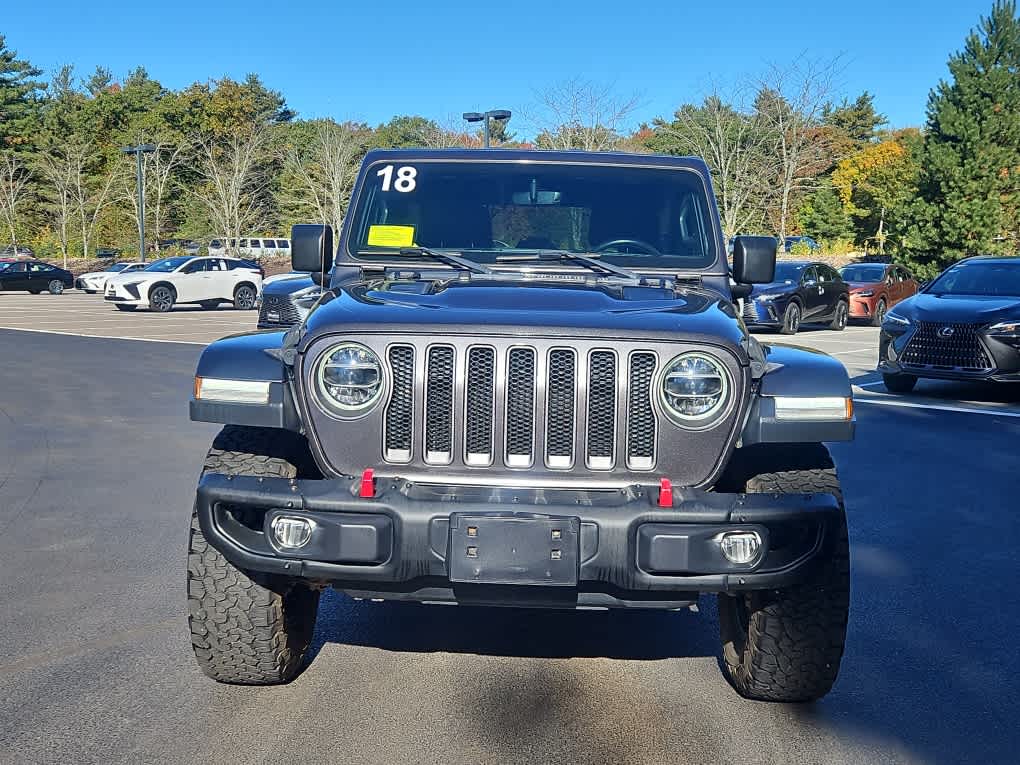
[(786, 645), (244, 297), (162, 298), (899, 383), (209, 305), (55, 287), (791, 319), (839, 319), (243, 630), (879, 316)]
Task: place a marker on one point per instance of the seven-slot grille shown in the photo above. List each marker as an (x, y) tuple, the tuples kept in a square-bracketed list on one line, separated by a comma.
[(946, 345), (520, 406)]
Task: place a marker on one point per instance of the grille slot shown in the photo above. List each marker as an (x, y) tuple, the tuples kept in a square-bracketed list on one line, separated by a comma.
[(399, 422), (561, 388), (960, 348), (641, 428), (439, 379), (479, 397), (601, 440), (520, 407)]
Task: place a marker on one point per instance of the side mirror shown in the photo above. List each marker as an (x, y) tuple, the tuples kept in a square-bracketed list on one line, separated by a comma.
[(754, 259), (741, 291), (311, 249)]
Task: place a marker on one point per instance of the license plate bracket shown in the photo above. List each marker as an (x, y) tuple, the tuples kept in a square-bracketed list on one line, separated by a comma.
[(514, 549)]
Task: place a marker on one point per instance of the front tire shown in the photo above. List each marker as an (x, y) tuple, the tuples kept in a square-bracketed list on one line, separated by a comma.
[(791, 319), (786, 645), (56, 287), (879, 316), (899, 383), (248, 629), (162, 298)]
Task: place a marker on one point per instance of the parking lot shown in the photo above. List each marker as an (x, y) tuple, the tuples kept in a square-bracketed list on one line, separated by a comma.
[(98, 463)]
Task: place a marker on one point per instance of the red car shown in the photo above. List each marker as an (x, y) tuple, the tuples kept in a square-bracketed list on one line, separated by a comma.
[(875, 288)]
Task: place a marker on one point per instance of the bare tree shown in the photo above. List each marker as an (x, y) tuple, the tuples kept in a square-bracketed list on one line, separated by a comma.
[(234, 181), (325, 170), (736, 146), (91, 191), (57, 171), (14, 177), (791, 104), (579, 114)]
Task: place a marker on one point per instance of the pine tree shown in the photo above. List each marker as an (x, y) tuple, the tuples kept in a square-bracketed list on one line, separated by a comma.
[(20, 97), (970, 184)]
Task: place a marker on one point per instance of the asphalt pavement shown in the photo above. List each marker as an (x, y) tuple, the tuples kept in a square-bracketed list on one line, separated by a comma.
[(97, 469)]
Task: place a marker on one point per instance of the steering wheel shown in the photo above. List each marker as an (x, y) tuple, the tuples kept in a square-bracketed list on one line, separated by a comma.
[(649, 250)]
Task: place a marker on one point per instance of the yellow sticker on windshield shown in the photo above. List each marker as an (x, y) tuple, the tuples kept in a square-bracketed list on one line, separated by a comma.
[(391, 236)]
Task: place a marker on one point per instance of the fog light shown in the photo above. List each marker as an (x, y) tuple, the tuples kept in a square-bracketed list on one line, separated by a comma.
[(291, 532), (740, 547)]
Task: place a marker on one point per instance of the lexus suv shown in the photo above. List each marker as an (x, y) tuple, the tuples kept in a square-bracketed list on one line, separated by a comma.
[(167, 282), (524, 384), (965, 325)]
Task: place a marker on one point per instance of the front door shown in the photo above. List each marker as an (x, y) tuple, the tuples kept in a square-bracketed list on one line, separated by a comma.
[(813, 291)]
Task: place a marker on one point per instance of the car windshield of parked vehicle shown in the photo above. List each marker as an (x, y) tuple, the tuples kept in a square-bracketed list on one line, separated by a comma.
[(116, 267), (633, 217), (862, 273), (167, 264), (5, 265), (988, 278), (789, 272)]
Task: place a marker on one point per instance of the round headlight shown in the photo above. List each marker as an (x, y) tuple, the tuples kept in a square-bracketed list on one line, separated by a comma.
[(349, 378), (695, 387)]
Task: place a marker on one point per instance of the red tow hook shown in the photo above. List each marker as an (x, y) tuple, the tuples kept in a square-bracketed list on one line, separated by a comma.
[(665, 493), (367, 484)]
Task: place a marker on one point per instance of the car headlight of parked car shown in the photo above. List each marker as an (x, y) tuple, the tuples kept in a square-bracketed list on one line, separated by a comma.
[(349, 379), (1006, 328), (695, 388), (864, 293), (768, 298), (896, 319)]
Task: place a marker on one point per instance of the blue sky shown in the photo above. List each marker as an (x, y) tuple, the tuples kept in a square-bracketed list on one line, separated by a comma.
[(369, 61)]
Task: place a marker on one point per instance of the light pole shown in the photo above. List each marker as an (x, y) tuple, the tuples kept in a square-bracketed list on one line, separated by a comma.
[(138, 151), (500, 115)]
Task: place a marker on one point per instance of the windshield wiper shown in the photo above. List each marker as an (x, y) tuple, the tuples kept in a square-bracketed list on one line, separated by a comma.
[(584, 259), (448, 258)]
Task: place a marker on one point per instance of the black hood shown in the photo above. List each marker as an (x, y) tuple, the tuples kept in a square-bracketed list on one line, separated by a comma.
[(524, 308), (970, 309)]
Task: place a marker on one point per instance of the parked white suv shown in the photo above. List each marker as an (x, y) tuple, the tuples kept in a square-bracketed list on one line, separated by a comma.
[(205, 280), (95, 281), (251, 247)]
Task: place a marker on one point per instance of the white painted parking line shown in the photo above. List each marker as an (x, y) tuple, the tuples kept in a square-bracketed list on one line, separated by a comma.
[(106, 337), (938, 407), (855, 350)]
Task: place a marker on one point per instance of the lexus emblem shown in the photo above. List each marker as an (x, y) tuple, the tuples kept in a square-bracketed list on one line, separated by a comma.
[(946, 332)]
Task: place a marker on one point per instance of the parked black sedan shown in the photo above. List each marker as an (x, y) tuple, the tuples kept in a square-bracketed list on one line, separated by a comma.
[(802, 293), (34, 276), (965, 325)]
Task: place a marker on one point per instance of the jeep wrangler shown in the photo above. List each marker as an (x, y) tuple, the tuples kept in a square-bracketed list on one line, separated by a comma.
[(524, 384)]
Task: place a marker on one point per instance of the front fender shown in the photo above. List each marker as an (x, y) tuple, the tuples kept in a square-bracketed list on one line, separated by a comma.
[(252, 356), (797, 373)]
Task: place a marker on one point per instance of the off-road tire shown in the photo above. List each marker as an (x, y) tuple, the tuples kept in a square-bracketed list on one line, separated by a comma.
[(791, 319), (899, 383), (879, 315), (840, 317), (786, 645), (248, 629), (120, 307)]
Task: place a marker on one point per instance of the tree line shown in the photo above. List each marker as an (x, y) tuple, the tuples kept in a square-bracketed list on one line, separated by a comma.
[(788, 156)]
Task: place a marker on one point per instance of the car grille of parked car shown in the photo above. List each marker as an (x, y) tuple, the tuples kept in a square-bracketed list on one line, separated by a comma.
[(278, 311), (510, 403), (946, 346)]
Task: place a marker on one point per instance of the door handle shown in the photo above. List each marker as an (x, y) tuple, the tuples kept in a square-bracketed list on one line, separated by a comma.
[(821, 290)]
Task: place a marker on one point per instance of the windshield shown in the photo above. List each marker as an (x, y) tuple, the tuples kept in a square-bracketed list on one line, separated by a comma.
[(979, 278), (166, 264), (117, 267), (789, 272), (635, 217), (5, 265), (862, 273)]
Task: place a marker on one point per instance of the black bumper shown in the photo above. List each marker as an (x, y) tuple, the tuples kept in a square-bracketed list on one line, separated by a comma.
[(627, 550)]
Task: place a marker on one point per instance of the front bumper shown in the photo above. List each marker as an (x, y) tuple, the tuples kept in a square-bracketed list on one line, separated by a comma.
[(862, 307), (1003, 352), (767, 313), (629, 551)]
